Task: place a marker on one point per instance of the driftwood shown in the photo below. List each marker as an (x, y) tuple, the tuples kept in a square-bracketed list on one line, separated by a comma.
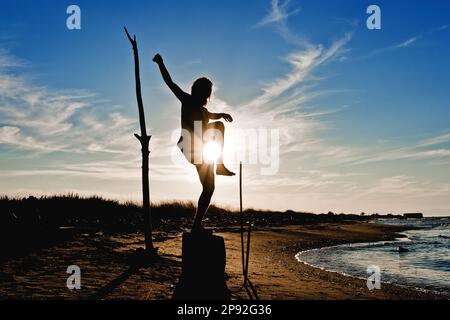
[(144, 139)]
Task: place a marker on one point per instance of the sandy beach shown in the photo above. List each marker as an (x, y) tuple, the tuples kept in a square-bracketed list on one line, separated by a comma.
[(274, 271)]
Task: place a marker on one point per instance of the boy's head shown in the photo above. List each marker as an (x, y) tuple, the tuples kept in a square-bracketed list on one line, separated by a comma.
[(201, 90)]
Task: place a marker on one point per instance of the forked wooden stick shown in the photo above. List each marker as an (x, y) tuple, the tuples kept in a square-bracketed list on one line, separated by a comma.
[(144, 139)]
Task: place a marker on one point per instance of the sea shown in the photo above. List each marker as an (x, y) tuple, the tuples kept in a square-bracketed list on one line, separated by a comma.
[(425, 264)]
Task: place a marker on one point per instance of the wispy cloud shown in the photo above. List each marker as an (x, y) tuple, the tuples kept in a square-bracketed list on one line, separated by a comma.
[(303, 62), (13, 136), (8, 61), (427, 149), (278, 16), (405, 188), (440, 28), (393, 47), (278, 13), (440, 139), (407, 43), (46, 120)]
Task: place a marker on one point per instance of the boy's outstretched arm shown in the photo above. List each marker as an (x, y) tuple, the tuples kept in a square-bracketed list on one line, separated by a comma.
[(217, 116), (180, 94)]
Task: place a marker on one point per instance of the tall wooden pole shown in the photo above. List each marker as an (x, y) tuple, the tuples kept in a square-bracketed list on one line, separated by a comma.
[(242, 220), (144, 139), (246, 255)]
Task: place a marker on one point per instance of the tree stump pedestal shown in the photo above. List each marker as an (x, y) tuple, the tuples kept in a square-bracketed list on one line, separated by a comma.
[(203, 268)]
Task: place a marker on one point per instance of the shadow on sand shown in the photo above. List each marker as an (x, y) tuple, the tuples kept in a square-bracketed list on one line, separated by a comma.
[(137, 262)]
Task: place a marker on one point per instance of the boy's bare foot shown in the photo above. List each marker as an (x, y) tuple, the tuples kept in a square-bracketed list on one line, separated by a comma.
[(221, 170)]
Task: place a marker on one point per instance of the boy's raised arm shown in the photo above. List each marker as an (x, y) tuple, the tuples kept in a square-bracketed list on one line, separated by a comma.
[(180, 94)]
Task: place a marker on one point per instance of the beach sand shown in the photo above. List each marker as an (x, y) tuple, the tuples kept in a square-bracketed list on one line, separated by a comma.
[(274, 271)]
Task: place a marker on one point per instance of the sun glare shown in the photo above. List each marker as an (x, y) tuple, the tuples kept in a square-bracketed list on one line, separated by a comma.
[(211, 151)]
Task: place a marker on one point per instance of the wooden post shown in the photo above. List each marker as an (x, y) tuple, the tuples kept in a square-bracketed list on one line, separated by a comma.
[(144, 139), (247, 258), (242, 220), (246, 255)]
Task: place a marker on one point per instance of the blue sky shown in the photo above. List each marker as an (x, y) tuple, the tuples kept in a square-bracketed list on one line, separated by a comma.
[(363, 115)]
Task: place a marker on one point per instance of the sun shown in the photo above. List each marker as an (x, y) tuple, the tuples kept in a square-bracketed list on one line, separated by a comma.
[(211, 151)]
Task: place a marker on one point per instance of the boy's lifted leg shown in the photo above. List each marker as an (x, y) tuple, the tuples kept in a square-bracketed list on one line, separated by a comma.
[(218, 138)]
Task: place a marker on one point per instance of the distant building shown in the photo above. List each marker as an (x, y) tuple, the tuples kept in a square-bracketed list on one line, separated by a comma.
[(413, 215)]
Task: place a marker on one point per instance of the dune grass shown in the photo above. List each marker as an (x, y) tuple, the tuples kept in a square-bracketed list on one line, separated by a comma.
[(73, 209), (31, 223)]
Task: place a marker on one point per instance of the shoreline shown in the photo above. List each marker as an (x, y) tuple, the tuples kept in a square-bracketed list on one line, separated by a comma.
[(333, 285), (406, 286)]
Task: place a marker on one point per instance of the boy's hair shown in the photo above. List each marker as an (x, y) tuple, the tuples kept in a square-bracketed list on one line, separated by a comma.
[(201, 90)]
